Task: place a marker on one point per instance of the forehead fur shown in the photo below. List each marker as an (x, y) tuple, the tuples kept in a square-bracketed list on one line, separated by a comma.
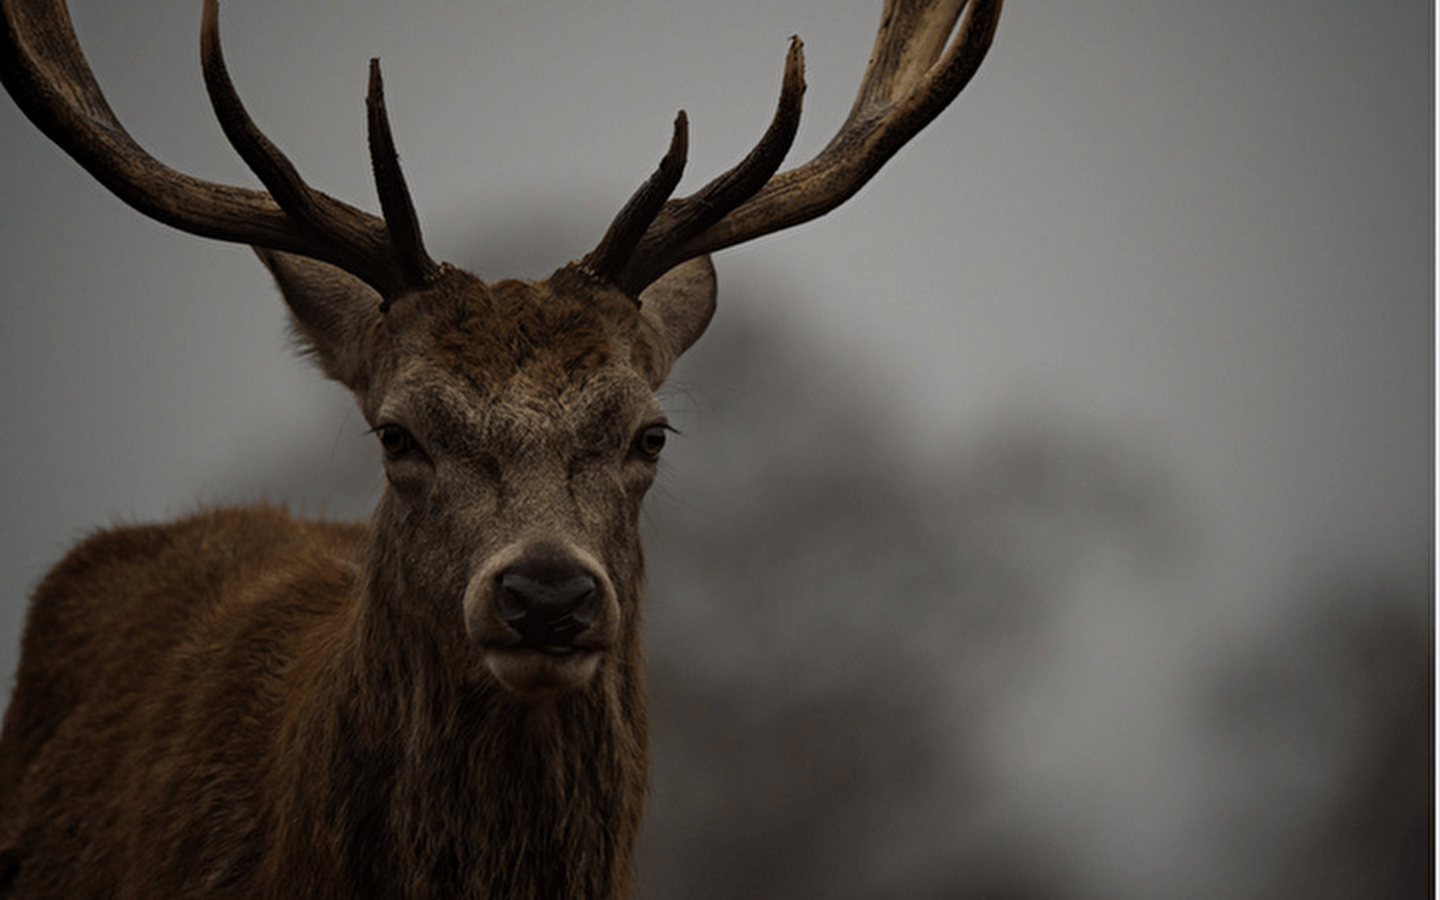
[(492, 335)]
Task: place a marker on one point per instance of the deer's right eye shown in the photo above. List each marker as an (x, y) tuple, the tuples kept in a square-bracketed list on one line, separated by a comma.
[(650, 441), (396, 441)]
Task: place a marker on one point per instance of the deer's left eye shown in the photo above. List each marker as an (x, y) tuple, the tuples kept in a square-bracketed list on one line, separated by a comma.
[(650, 441), (396, 441)]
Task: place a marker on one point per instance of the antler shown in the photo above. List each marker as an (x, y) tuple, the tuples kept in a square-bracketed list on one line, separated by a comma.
[(915, 71), (43, 68)]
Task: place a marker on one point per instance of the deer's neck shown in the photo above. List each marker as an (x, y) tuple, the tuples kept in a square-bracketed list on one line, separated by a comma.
[(445, 782)]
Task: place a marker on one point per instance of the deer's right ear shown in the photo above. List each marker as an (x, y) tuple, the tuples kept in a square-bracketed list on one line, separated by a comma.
[(332, 311)]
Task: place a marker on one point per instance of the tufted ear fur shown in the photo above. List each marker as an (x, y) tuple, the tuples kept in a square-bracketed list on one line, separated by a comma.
[(678, 306), (331, 310)]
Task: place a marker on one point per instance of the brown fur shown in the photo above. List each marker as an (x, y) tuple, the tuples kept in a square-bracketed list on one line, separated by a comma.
[(247, 704)]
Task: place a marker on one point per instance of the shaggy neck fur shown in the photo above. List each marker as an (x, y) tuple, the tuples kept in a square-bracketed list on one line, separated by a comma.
[(434, 781)]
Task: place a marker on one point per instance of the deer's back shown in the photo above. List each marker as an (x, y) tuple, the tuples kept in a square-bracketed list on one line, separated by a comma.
[(155, 649)]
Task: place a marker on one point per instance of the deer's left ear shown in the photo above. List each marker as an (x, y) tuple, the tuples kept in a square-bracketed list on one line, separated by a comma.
[(677, 307), (332, 311)]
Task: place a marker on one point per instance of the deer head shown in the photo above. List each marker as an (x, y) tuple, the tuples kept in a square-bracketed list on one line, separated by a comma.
[(518, 420)]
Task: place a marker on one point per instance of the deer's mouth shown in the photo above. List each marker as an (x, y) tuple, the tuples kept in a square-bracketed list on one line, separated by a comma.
[(528, 669)]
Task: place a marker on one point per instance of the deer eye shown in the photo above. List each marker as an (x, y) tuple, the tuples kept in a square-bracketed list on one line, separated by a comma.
[(650, 441), (396, 441)]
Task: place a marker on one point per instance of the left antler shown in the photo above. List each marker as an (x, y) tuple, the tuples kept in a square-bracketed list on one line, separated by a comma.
[(915, 71)]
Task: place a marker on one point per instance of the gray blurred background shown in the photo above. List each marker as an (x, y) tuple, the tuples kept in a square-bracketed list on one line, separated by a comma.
[(1054, 520)]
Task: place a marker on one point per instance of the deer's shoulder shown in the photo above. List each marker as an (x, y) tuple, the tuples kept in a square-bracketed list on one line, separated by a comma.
[(132, 591)]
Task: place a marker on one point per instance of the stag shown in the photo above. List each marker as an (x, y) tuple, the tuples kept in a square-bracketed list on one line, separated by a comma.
[(446, 700)]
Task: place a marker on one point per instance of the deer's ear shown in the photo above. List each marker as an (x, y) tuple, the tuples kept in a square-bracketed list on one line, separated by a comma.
[(332, 311), (678, 306)]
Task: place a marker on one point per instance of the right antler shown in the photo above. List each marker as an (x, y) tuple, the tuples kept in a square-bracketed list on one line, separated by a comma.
[(43, 68), (912, 76)]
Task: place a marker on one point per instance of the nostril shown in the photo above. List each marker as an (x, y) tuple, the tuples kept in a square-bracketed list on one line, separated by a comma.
[(522, 595), (545, 607)]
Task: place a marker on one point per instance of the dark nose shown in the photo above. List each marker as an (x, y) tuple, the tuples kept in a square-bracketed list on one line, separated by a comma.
[(548, 603)]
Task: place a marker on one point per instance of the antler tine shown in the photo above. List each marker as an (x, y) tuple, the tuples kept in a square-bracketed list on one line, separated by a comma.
[(355, 241), (388, 253), (45, 71), (607, 261), (915, 71), (680, 220), (402, 224)]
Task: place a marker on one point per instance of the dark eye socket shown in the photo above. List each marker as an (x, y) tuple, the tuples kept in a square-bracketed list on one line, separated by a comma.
[(651, 440), (396, 441)]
